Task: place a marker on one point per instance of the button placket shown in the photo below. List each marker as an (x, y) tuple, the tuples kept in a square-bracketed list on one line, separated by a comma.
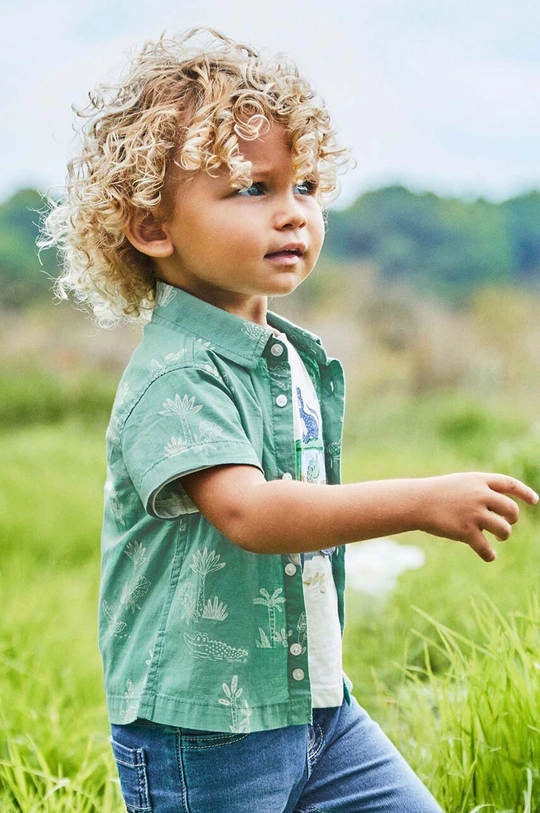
[(281, 419)]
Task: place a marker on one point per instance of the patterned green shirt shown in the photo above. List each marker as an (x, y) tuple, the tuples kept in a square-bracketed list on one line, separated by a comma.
[(194, 630)]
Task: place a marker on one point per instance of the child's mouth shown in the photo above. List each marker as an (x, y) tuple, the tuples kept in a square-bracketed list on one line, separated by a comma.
[(288, 256)]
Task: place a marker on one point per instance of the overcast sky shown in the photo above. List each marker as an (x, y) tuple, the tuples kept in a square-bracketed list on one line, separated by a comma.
[(435, 94)]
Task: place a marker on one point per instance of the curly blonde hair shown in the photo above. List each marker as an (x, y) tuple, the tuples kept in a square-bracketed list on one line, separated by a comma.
[(185, 102)]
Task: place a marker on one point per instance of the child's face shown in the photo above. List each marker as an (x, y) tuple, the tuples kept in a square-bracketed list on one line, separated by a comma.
[(236, 248)]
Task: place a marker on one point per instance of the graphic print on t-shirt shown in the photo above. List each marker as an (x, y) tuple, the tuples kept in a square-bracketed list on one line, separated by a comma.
[(308, 443)]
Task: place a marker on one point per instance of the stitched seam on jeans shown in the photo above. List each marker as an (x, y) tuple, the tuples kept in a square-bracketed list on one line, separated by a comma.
[(218, 735), (142, 780), (219, 743), (313, 752), (130, 764), (182, 773)]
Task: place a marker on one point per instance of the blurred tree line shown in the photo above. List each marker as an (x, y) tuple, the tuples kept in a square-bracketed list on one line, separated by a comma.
[(24, 277), (444, 247)]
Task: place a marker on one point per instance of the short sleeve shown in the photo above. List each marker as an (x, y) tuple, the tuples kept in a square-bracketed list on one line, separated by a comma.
[(185, 421)]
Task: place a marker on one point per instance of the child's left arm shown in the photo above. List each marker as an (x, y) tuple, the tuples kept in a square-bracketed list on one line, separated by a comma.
[(284, 516)]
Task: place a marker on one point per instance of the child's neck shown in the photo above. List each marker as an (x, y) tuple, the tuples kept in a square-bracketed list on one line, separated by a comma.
[(259, 314), (251, 308), (254, 309)]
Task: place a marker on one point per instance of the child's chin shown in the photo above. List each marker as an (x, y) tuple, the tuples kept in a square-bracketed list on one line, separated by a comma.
[(285, 285), (282, 291)]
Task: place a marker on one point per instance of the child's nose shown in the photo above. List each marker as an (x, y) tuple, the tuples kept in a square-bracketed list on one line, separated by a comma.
[(290, 214)]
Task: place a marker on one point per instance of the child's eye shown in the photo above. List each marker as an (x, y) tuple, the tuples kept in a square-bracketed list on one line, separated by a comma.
[(252, 191), (305, 188)]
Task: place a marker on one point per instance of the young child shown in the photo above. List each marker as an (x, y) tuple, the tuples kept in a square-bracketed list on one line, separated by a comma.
[(198, 195)]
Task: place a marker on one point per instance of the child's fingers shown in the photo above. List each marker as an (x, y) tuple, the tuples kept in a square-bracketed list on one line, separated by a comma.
[(504, 484), (498, 526), (505, 506), (480, 545)]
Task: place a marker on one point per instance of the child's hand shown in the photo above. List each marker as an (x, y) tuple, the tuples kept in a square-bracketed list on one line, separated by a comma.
[(463, 506)]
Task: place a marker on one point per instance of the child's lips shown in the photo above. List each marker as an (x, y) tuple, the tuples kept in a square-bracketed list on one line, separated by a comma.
[(289, 255)]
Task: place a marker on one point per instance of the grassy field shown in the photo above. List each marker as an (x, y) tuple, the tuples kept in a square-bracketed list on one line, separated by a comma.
[(450, 664)]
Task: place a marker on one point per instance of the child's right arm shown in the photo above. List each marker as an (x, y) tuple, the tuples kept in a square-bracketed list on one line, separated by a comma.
[(285, 516)]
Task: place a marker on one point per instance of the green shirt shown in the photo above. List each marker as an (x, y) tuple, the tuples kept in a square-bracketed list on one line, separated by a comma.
[(195, 631)]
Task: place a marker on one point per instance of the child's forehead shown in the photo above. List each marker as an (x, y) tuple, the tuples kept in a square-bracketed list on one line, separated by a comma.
[(268, 147), (266, 153)]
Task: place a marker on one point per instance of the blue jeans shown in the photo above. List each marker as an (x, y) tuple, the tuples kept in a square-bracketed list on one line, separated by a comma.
[(341, 763)]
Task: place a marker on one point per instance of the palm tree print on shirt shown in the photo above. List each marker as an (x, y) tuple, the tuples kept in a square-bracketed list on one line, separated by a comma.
[(132, 592), (196, 605), (130, 706), (239, 715), (182, 407), (272, 603), (207, 430), (137, 587)]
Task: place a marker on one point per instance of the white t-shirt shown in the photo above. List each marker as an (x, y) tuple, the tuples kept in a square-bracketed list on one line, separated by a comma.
[(320, 596)]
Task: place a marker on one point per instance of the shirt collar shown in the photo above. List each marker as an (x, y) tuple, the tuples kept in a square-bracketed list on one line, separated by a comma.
[(237, 339)]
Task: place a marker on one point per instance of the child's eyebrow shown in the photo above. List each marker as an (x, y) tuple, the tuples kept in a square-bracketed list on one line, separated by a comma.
[(263, 170)]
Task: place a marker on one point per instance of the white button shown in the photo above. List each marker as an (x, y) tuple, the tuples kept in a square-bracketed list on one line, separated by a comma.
[(281, 400), (276, 349), (290, 569), (298, 674), (286, 476), (296, 649)]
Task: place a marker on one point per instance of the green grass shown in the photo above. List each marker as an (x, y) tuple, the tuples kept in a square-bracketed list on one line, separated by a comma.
[(454, 685), (474, 727), (33, 397), (54, 754)]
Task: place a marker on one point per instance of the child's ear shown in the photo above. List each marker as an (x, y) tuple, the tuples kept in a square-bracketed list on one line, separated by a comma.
[(146, 232)]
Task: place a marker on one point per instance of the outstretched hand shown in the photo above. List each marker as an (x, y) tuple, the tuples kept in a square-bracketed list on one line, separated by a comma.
[(463, 506)]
